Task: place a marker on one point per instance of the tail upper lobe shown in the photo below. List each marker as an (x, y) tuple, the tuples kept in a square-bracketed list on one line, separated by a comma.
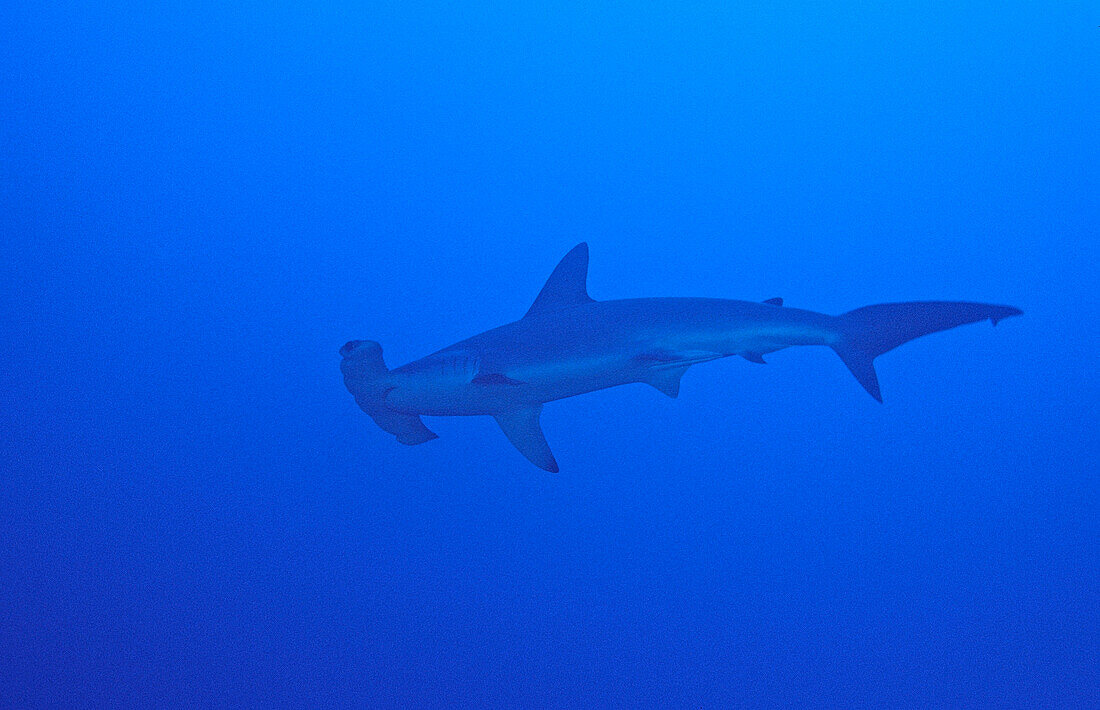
[(871, 331)]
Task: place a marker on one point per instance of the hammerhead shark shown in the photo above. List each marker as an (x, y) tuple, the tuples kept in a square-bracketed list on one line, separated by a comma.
[(569, 344)]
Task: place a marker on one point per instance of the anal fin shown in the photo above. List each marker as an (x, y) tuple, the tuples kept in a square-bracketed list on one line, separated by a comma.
[(523, 430), (754, 357)]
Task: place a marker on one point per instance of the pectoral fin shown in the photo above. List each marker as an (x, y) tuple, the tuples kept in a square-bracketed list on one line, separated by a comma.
[(495, 378), (523, 430)]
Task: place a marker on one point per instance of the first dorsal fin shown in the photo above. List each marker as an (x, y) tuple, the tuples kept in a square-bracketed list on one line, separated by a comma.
[(567, 286)]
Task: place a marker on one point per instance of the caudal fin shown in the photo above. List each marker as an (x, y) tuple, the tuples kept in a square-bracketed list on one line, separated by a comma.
[(871, 331)]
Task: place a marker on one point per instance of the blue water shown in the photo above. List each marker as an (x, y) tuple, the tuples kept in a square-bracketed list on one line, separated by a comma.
[(200, 203)]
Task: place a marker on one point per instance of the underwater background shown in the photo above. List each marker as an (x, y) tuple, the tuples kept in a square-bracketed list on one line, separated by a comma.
[(201, 202)]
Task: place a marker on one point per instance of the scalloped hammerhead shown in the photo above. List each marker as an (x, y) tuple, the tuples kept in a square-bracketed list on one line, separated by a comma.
[(569, 344)]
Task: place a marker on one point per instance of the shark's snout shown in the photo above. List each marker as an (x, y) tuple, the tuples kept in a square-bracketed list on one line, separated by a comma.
[(352, 346), (362, 365), (361, 347)]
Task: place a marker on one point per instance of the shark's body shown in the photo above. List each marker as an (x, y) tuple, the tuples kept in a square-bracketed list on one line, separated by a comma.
[(568, 344)]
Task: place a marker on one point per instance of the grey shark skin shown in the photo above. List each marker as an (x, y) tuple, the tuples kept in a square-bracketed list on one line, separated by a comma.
[(569, 344)]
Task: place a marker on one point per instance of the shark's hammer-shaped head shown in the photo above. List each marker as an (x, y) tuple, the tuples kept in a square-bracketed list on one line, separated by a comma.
[(447, 382), (370, 382), (365, 373), (360, 348)]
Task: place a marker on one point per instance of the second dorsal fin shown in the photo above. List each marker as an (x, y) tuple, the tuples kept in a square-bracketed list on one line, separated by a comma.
[(567, 285), (774, 301)]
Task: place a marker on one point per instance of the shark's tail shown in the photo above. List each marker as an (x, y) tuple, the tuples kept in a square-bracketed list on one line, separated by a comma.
[(868, 332)]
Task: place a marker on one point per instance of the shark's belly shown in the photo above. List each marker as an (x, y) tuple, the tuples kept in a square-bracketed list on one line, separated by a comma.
[(499, 386)]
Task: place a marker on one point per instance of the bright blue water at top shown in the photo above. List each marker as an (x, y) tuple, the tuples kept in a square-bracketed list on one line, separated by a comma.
[(201, 203)]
